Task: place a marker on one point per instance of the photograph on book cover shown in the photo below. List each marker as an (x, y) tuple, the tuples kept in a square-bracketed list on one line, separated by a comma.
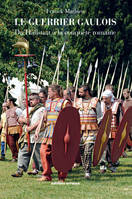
[(82, 50)]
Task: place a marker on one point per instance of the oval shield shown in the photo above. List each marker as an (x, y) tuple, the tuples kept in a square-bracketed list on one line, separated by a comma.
[(66, 139), (102, 137), (122, 135)]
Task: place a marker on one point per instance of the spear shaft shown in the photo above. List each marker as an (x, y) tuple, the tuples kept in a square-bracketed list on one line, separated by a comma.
[(131, 87), (119, 84), (124, 80), (100, 87), (67, 73), (96, 65), (89, 72), (58, 65), (98, 84), (113, 74), (78, 72), (26, 95), (41, 67), (107, 73)]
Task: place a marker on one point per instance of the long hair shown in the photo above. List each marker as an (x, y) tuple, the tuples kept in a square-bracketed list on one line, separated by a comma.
[(58, 88)]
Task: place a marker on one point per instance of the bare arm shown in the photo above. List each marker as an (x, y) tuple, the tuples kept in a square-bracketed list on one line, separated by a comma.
[(33, 127)]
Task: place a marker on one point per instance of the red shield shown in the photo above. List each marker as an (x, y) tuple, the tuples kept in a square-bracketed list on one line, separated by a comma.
[(66, 139), (102, 137), (129, 141), (122, 135)]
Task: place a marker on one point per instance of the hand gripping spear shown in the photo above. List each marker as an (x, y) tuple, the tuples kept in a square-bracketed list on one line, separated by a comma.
[(23, 43)]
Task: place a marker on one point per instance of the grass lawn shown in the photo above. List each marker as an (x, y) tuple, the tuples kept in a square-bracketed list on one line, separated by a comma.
[(101, 186)]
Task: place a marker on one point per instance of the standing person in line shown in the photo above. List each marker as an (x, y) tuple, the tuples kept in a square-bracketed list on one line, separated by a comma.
[(90, 116), (43, 98), (24, 154), (109, 102), (13, 128), (43, 95), (53, 106), (3, 130), (126, 104)]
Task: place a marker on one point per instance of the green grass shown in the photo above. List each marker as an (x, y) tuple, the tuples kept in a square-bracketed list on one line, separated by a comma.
[(101, 186)]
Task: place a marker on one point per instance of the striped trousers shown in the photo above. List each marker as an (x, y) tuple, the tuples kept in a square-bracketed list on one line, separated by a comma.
[(86, 152)]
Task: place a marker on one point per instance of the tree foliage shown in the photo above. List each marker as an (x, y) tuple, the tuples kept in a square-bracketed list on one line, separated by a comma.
[(89, 47)]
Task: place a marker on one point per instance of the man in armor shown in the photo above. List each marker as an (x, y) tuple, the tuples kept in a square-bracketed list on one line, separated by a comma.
[(53, 106), (90, 116)]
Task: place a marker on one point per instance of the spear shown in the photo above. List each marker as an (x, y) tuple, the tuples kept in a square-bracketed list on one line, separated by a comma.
[(113, 74), (67, 73), (119, 84), (96, 65), (58, 67), (83, 79), (98, 84), (59, 57), (62, 50), (89, 72), (124, 80), (75, 78), (79, 66), (107, 73), (41, 67), (22, 43), (131, 87), (129, 83), (7, 90), (80, 62)]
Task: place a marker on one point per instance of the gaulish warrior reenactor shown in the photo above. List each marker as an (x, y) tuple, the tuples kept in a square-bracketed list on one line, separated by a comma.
[(3, 130), (126, 104), (24, 154), (109, 102), (90, 116), (128, 100), (13, 128), (53, 106), (69, 95), (43, 98), (43, 95)]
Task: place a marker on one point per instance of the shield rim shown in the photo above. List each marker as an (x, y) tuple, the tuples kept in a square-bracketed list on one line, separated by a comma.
[(54, 151), (116, 152), (98, 138)]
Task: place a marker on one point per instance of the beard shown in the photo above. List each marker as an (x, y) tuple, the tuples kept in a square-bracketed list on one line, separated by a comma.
[(82, 96)]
